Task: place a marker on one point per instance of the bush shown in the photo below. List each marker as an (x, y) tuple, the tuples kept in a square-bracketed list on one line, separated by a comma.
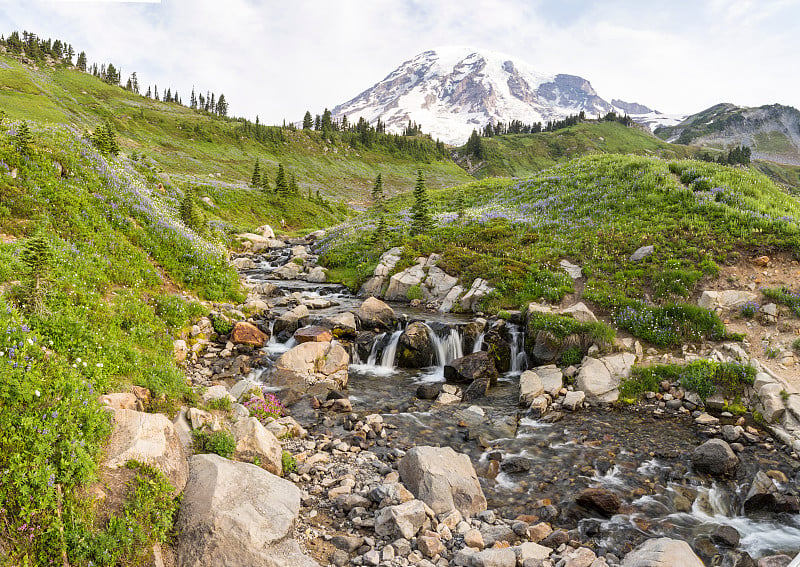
[(796, 346), (288, 463), (221, 325), (219, 442), (414, 292), (266, 409), (572, 356), (562, 327), (175, 311), (785, 296), (223, 404), (670, 325), (749, 309)]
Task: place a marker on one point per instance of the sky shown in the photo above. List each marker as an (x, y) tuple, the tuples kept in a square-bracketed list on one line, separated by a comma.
[(278, 59)]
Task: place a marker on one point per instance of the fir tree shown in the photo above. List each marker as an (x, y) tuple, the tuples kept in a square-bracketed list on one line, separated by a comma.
[(294, 189), (193, 99), (23, 141), (82, 61), (281, 185), (420, 213), (265, 182), (37, 257), (381, 232), (378, 198), (191, 213), (307, 121), (475, 146), (461, 206), (255, 181), (149, 92)]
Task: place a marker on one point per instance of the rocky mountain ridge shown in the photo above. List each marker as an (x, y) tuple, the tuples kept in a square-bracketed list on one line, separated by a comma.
[(452, 90)]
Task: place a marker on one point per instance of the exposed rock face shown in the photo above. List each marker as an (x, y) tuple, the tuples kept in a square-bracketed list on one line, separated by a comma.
[(443, 479), (253, 440), (312, 363), (415, 349), (471, 367), (479, 290), (402, 282), (725, 300), (375, 314), (244, 333), (437, 285), (600, 378), (374, 285), (237, 514), (715, 457), (148, 438), (662, 552), (317, 275)]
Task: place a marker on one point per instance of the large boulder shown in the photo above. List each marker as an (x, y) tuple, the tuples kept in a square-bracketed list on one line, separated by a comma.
[(764, 496), (244, 333), (266, 231), (317, 274), (415, 349), (289, 271), (477, 292), (715, 457), (254, 441), (149, 438), (290, 321), (437, 285), (443, 479), (450, 299), (402, 282), (313, 334), (499, 348), (580, 313), (600, 378), (728, 299), (530, 387), (662, 552), (374, 285), (375, 314), (313, 363), (237, 514), (552, 378), (471, 367)]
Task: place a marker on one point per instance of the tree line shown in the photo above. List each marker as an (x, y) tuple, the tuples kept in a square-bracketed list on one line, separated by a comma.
[(736, 155)]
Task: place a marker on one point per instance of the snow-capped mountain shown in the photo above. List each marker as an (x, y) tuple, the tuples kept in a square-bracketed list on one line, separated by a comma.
[(450, 91)]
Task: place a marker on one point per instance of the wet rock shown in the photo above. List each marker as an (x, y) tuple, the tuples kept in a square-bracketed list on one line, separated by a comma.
[(244, 333), (774, 561), (726, 536), (415, 349), (476, 390), (471, 367), (737, 558), (237, 514), (546, 347), (313, 334), (429, 390), (600, 500), (443, 479), (470, 333), (715, 457), (764, 496), (375, 314), (662, 552), (289, 322), (498, 348), (515, 465), (530, 387)]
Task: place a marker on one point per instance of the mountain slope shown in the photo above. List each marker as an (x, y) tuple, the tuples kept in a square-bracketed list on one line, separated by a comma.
[(452, 90), (772, 132)]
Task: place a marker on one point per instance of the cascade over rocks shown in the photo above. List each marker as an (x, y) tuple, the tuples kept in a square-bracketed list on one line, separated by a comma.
[(415, 349), (285, 325), (236, 513), (764, 496)]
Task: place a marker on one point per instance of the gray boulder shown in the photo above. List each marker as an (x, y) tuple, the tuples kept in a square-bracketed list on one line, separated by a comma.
[(253, 440), (374, 285), (415, 349), (403, 520), (725, 300), (641, 253), (715, 457), (237, 514), (375, 314), (290, 321), (443, 479), (312, 363), (402, 282), (471, 367), (530, 387), (477, 292), (600, 378), (662, 552), (764, 496)]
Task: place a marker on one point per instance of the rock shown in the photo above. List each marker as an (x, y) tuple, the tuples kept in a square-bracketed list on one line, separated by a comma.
[(317, 274), (775, 561), (641, 253), (437, 285), (443, 479), (715, 457), (374, 285), (599, 378), (515, 465), (530, 387), (313, 335), (290, 321), (375, 314), (573, 401), (450, 299), (580, 313), (254, 441), (764, 496), (477, 389), (244, 263), (403, 520), (726, 536), (313, 363), (245, 389), (480, 288), (180, 350), (556, 539), (725, 300), (552, 379), (430, 546), (662, 552), (502, 557), (769, 313), (149, 438), (402, 282), (343, 324), (470, 367), (216, 393), (706, 419), (415, 349), (581, 557), (121, 400), (237, 514), (244, 333), (473, 538), (731, 433), (347, 543), (538, 532), (316, 235), (600, 500), (498, 347), (572, 270), (266, 231), (429, 390), (289, 271)]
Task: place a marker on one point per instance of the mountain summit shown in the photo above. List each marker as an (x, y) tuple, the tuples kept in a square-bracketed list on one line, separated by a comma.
[(450, 91)]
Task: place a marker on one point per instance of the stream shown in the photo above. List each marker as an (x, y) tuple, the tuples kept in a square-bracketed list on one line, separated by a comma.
[(526, 466)]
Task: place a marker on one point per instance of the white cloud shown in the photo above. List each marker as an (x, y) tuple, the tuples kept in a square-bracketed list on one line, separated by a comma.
[(279, 59)]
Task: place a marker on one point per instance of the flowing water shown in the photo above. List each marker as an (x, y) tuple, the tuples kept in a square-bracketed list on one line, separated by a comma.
[(644, 459)]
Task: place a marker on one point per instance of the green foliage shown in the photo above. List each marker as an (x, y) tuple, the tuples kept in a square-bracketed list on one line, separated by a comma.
[(571, 356), (675, 283), (705, 377), (749, 309), (222, 326), (414, 292), (23, 141), (562, 327), (784, 296), (176, 311), (255, 180), (281, 184), (219, 442), (222, 404), (37, 256), (266, 408), (796, 346), (420, 213), (670, 325), (105, 140), (191, 213), (288, 463), (647, 379)]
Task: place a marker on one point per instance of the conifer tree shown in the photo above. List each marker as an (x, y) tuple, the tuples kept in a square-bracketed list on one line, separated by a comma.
[(420, 213), (193, 99), (149, 92), (378, 198), (82, 61), (307, 121), (265, 181), (191, 213), (381, 232), (23, 141), (281, 185), (37, 257), (461, 206), (293, 187), (255, 181)]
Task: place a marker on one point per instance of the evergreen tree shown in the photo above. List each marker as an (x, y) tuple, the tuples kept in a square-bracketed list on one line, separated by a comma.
[(475, 146), (191, 213), (149, 92), (193, 99), (265, 182), (294, 189), (420, 210), (155, 93), (37, 257), (255, 181), (378, 198), (461, 206), (222, 106), (105, 140), (307, 121), (281, 185), (23, 141), (168, 96), (381, 232), (317, 122), (82, 61)]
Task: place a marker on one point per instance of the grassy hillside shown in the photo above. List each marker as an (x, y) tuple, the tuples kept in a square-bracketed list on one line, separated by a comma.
[(183, 141), (593, 211), (523, 155), (787, 175)]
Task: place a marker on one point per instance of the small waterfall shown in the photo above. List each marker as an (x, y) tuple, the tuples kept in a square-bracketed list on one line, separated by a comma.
[(478, 343), (519, 360), (448, 348), (272, 340), (354, 358), (387, 358), (372, 360)]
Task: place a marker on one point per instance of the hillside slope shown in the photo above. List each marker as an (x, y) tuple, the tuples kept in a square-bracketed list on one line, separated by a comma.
[(187, 142), (523, 155)]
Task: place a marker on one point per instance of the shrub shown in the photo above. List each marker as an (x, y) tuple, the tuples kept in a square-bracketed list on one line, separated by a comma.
[(223, 404), (219, 442), (647, 379), (221, 325), (670, 325), (572, 356), (681, 283), (785, 296), (796, 346), (288, 463), (266, 409), (175, 311), (414, 292), (562, 327)]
